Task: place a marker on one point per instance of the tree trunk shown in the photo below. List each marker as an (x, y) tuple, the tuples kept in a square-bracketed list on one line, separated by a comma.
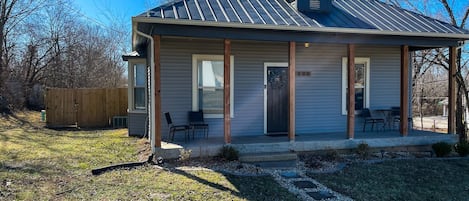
[(461, 127), (459, 116)]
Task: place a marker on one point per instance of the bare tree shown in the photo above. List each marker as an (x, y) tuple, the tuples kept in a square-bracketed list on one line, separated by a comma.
[(457, 14), (44, 43), (12, 14)]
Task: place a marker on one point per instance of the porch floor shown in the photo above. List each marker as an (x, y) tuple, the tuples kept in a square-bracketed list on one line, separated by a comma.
[(303, 142)]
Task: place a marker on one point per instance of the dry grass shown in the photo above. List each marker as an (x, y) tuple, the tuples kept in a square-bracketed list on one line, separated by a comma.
[(44, 164), (413, 179)]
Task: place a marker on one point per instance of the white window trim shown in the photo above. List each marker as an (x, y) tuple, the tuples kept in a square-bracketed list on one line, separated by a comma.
[(269, 64), (358, 60), (195, 91), (131, 86)]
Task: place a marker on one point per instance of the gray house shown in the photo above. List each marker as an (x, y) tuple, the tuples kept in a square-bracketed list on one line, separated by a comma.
[(258, 67)]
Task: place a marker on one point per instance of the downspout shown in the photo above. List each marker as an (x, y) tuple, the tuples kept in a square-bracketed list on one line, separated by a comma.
[(152, 89)]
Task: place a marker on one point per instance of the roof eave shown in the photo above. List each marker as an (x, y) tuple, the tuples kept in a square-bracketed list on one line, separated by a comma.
[(298, 28)]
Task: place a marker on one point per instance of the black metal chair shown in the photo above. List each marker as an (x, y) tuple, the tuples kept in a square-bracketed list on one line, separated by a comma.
[(175, 128), (396, 118), (369, 118), (196, 122)]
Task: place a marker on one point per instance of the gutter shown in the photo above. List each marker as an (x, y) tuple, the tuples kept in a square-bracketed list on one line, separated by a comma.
[(297, 28), (151, 109)]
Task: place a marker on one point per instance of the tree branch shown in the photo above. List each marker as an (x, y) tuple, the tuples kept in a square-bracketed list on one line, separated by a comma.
[(466, 15), (449, 12)]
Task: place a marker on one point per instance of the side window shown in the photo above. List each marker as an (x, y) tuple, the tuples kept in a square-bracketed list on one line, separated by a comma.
[(208, 82), (362, 84), (210, 86), (140, 76)]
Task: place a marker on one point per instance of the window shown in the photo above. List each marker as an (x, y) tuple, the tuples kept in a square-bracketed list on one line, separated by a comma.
[(207, 85), (362, 84), (139, 82)]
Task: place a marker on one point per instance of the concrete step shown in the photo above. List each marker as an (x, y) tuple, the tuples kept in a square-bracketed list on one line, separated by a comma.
[(268, 157)]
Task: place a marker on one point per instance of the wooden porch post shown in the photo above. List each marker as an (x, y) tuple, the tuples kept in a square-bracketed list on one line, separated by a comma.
[(403, 127), (226, 91), (292, 83), (452, 91), (157, 70), (351, 91)]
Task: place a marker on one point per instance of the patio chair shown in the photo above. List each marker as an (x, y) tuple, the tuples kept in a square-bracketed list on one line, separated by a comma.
[(396, 118), (371, 118), (175, 128), (196, 122)]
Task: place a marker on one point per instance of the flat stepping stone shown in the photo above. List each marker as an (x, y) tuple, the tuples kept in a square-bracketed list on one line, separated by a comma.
[(290, 175), (304, 184), (321, 195)]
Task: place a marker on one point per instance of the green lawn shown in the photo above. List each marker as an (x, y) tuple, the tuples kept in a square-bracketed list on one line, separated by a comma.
[(417, 179), (44, 164)]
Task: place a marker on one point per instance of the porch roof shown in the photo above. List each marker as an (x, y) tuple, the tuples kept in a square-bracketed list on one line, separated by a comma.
[(349, 17)]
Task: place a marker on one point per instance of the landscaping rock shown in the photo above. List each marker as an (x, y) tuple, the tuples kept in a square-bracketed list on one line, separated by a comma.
[(304, 184)]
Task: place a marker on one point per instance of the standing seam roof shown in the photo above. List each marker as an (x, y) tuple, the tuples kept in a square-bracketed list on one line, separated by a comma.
[(359, 14)]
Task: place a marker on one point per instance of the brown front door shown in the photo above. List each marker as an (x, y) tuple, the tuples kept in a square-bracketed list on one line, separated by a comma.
[(277, 100)]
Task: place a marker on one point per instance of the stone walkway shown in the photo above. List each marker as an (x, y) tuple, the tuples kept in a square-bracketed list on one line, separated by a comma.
[(305, 187), (293, 178)]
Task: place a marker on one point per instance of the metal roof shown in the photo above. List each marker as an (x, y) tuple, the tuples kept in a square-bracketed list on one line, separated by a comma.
[(350, 16)]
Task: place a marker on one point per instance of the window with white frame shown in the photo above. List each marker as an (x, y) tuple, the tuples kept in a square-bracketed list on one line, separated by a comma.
[(139, 88), (207, 85), (362, 84)]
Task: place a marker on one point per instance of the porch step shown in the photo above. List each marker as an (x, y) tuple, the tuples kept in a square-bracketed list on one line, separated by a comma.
[(268, 157)]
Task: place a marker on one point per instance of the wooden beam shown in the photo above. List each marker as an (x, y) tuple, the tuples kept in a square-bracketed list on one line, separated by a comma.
[(157, 70), (351, 91), (403, 127), (292, 83), (226, 91), (452, 91)]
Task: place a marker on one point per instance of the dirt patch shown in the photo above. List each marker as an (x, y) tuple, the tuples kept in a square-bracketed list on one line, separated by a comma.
[(143, 149)]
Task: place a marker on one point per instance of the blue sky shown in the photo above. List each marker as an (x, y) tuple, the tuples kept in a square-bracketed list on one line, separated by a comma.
[(104, 10), (123, 10), (113, 15)]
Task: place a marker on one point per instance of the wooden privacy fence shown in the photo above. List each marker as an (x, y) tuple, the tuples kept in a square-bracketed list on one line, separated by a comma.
[(84, 107)]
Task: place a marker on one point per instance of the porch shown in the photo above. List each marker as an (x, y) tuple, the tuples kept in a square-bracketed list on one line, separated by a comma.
[(202, 147)]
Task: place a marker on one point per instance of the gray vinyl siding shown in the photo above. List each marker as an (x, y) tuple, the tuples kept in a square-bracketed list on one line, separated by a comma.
[(318, 97), (176, 79), (384, 76), (249, 83), (249, 58), (137, 124)]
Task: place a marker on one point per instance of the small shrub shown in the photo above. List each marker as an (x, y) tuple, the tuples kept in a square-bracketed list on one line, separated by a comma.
[(363, 150), (229, 153), (462, 148), (441, 149)]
